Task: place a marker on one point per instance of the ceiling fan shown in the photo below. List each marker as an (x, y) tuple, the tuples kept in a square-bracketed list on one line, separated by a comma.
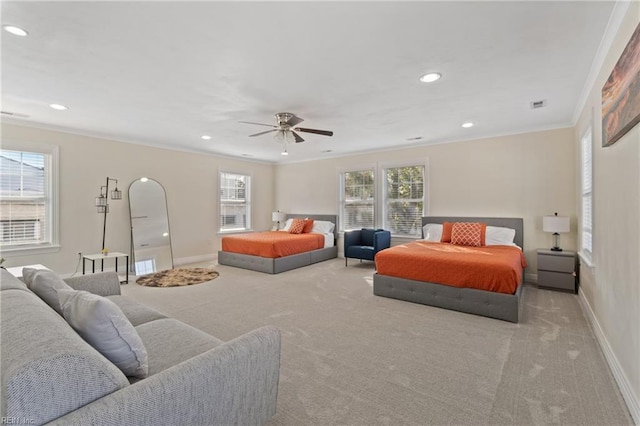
[(286, 126)]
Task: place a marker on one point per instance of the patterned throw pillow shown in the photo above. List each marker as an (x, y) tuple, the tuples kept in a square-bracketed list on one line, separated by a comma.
[(468, 234), (297, 226), (308, 226)]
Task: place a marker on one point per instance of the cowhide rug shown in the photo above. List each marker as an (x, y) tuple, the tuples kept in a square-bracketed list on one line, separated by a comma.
[(177, 277)]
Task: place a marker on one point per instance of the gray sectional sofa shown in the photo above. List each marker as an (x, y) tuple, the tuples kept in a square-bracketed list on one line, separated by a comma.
[(50, 374)]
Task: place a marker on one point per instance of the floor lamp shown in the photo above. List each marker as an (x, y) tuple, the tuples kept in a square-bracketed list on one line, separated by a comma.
[(102, 206)]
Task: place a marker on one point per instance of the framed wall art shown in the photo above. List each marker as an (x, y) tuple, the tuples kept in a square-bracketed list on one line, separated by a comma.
[(621, 94)]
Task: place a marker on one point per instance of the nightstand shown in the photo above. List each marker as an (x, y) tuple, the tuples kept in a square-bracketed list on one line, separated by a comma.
[(557, 270)]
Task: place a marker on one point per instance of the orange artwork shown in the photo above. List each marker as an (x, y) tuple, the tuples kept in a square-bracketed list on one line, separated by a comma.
[(621, 94)]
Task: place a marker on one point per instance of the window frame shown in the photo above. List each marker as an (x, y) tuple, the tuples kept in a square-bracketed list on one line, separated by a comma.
[(52, 159), (382, 207), (586, 141), (342, 189), (248, 203)]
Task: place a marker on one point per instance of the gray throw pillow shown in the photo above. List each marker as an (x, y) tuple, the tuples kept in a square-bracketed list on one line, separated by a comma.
[(44, 283), (104, 326), (28, 273)]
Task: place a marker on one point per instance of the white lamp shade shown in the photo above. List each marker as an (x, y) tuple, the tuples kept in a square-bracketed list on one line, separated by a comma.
[(278, 216), (555, 224)]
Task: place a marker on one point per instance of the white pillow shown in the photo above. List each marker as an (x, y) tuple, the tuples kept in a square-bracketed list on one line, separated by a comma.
[(499, 236), (432, 231), (323, 227), (287, 225), (104, 326)]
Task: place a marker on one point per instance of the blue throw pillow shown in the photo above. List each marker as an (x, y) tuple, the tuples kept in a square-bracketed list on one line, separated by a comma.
[(366, 236)]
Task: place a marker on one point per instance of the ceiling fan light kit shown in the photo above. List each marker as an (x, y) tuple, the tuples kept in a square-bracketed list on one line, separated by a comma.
[(285, 130)]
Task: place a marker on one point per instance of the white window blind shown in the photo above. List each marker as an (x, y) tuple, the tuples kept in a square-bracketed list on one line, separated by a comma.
[(25, 199), (404, 199), (586, 240), (235, 202), (357, 200)]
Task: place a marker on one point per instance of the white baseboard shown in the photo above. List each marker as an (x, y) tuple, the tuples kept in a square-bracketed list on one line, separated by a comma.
[(195, 259), (633, 404), (531, 278)]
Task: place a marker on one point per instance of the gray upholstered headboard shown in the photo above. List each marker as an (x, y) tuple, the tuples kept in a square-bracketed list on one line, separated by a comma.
[(507, 222), (328, 217)]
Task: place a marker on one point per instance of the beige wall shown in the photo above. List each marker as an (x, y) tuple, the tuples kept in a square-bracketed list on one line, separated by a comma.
[(190, 181), (611, 288), (527, 175)]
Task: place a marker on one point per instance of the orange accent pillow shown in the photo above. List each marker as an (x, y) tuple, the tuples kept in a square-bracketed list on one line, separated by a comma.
[(468, 234), (308, 226), (446, 232), (297, 225)]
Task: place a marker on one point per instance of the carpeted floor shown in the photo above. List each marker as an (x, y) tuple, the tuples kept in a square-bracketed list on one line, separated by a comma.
[(351, 358)]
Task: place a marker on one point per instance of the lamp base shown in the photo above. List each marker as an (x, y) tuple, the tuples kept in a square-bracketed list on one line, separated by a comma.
[(555, 242)]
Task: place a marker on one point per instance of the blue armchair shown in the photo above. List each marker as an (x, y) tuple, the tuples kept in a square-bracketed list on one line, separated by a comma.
[(365, 243)]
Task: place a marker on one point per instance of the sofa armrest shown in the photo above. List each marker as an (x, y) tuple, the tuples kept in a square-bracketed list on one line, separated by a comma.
[(101, 283), (352, 238), (381, 240), (232, 384)]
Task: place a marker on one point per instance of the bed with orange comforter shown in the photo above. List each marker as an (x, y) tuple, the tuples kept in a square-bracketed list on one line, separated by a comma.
[(272, 244), (277, 251), (483, 280)]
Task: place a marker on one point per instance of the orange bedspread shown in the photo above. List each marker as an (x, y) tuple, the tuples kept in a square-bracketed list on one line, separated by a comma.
[(493, 268), (272, 244)]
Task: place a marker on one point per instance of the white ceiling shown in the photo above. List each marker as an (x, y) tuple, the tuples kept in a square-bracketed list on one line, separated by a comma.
[(165, 73)]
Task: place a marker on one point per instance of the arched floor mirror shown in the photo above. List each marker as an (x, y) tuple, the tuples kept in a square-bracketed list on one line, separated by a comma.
[(150, 233)]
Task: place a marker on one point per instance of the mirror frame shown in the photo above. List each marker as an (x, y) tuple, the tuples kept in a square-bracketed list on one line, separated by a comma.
[(166, 206)]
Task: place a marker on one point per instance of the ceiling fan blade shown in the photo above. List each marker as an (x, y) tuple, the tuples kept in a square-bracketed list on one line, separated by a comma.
[(297, 136), (263, 133), (259, 124), (316, 131), (294, 120)]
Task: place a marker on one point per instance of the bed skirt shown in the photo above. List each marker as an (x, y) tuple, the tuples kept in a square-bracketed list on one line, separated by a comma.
[(469, 300), (278, 264)]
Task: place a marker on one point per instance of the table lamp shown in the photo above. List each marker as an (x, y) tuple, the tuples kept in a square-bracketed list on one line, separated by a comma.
[(278, 217), (555, 224)]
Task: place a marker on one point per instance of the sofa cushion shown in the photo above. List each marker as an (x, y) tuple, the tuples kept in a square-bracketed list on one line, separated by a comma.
[(9, 282), (103, 325), (136, 312), (45, 283), (169, 342), (47, 370)]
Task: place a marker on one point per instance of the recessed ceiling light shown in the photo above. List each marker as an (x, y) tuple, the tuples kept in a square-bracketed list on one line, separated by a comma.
[(467, 125), (430, 77), (58, 107), (15, 30), (205, 137), (165, 234)]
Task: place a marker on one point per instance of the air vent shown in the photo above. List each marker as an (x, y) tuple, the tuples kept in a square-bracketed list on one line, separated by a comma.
[(538, 104), (14, 114)]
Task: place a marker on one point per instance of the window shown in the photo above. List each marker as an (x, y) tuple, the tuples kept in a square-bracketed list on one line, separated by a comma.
[(147, 266), (586, 238), (404, 199), (235, 202), (357, 199), (27, 197)]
